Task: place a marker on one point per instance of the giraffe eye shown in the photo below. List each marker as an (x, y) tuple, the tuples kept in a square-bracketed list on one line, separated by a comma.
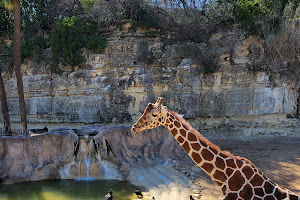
[(154, 115)]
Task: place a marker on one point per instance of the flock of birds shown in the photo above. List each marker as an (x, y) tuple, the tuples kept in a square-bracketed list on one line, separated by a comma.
[(138, 193)]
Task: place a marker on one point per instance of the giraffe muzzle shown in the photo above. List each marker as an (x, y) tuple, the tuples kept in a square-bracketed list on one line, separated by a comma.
[(135, 130)]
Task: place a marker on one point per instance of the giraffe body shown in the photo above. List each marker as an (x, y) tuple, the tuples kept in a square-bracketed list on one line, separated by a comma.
[(238, 178)]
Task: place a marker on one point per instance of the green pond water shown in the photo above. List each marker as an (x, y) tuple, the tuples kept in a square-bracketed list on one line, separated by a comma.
[(67, 190)]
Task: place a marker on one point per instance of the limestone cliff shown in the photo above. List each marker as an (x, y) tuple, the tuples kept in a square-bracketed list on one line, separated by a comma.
[(136, 68)]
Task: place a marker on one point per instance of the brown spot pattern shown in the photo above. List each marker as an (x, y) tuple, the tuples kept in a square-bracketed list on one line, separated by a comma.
[(207, 167), (257, 180), (182, 132), (174, 132), (270, 197), (224, 188), (279, 194), (180, 139), (220, 163), (293, 197), (223, 155), (196, 146), (231, 196), (230, 163), (229, 171), (247, 192), (259, 192), (186, 147), (196, 157), (236, 181), (177, 124), (248, 172), (203, 143), (269, 188), (192, 137), (219, 183), (207, 155), (220, 176), (213, 150), (239, 163), (171, 126)]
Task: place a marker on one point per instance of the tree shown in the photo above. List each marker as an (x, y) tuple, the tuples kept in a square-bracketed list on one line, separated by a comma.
[(4, 108), (17, 63), (16, 5)]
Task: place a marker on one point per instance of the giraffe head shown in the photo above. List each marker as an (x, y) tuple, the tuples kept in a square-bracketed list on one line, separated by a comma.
[(153, 116)]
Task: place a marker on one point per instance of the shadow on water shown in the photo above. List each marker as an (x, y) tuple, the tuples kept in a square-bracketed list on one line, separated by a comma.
[(66, 190)]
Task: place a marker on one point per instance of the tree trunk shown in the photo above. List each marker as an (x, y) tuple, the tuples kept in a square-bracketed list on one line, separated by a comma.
[(4, 108), (17, 63)]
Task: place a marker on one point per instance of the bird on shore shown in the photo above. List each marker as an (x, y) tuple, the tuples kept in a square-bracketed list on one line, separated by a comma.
[(138, 192), (191, 197), (109, 195)]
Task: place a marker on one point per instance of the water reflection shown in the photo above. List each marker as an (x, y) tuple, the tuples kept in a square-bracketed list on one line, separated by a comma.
[(66, 190)]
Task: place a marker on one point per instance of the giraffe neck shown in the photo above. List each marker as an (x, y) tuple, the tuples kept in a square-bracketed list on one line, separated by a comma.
[(206, 155)]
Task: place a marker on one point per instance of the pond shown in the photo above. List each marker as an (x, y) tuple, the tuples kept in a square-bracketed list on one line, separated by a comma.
[(67, 190)]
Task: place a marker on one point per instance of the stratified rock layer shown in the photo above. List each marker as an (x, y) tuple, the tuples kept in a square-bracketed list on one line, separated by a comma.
[(115, 87)]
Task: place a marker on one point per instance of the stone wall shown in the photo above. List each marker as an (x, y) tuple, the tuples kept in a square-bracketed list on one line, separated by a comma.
[(35, 158), (115, 87)]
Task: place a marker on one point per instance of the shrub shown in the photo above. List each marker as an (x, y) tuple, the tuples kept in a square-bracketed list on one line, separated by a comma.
[(246, 12), (259, 17), (37, 15), (69, 37), (87, 4), (96, 43), (146, 17), (33, 46), (6, 54), (67, 41), (6, 21), (139, 12)]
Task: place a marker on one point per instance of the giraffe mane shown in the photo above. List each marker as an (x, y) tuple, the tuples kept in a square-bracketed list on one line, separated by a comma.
[(203, 139)]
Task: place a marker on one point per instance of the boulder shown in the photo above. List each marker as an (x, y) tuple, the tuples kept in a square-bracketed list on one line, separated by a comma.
[(35, 158)]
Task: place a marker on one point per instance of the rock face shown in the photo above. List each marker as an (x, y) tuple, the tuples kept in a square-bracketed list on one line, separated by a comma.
[(118, 145), (61, 154), (115, 87), (35, 158)]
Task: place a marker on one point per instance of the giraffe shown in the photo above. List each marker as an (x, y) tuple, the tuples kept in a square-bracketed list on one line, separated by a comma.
[(237, 177)]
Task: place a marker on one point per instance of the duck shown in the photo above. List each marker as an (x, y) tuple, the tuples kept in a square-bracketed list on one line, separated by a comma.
[(138, 193), (109, 195)]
